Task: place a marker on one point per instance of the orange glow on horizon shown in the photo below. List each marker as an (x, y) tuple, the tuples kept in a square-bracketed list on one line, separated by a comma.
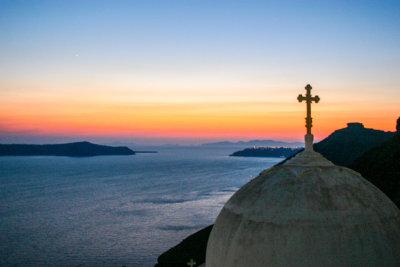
[(225, 120)]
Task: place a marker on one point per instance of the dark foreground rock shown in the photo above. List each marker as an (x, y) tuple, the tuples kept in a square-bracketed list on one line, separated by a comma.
[(78, 149), (192, 247)]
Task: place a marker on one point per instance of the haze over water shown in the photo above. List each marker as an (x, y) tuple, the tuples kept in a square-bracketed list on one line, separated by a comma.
[(114, 210)]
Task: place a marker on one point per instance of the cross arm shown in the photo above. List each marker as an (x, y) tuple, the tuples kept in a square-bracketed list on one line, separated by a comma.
[(301, 98)]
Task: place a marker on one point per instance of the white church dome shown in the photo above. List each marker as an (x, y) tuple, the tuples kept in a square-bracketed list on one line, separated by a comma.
[(306, 212)]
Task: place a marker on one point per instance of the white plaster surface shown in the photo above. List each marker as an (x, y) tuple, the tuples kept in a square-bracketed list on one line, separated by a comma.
[(306, 212)]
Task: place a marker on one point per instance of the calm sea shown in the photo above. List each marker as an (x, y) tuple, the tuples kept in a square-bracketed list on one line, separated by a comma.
[(113, 210)]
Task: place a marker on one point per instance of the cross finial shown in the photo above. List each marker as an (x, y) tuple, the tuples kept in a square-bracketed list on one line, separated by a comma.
[(191, 263), (309, 99)]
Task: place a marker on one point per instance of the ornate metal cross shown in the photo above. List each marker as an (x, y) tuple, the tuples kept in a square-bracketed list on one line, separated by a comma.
[(191, 263), (309, 99)]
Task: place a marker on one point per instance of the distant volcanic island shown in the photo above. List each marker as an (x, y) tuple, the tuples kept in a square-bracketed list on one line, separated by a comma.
[(77, 149), (276, 152)]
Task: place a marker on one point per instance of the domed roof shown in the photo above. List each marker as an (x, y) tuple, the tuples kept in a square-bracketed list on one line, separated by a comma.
[(306, 212)]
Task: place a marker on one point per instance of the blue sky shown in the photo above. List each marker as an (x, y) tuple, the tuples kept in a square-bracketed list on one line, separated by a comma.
[(197, 34)]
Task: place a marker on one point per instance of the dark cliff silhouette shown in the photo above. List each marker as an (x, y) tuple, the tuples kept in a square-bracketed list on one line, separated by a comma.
[(398, 125), (343, 146), (381, 166), (78, 149)]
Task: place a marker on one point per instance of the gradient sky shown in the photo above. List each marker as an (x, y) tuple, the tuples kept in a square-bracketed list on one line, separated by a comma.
[(195, 71)]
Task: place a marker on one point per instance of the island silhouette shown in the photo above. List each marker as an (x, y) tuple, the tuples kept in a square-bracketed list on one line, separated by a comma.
[(76, 149)]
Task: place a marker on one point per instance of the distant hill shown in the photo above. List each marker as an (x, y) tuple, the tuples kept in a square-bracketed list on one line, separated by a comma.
[(266, 152), (258, 143), (343, 146), (78, 149), (381, 166)]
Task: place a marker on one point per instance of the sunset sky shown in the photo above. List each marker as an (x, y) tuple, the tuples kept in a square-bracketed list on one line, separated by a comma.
[(195, 71)]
